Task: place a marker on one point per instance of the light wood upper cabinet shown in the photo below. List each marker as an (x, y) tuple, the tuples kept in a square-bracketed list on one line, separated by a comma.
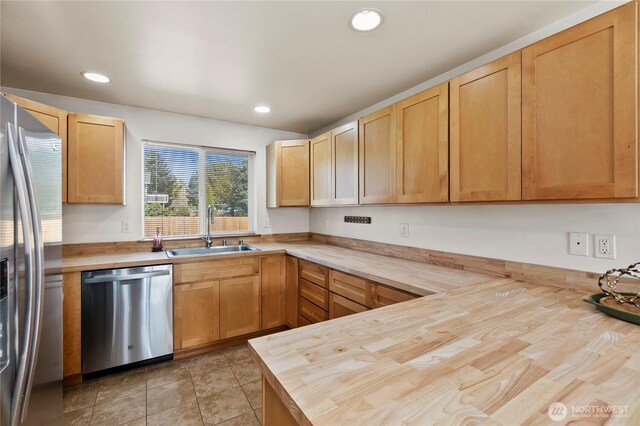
[(344, 164), (273, 287), (96, 159), (196, 314), (377, 155), (485, 132), (579, 90), (292, 173), (56, 120), (423, 146), (292, 291), (320, 170), (239, 306)]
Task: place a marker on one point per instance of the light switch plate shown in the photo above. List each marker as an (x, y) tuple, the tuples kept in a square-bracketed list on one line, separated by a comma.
[(605, 246), (404, 230), (579, 244)]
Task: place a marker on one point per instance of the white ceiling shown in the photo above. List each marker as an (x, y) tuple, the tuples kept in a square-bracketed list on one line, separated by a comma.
[(220, 59)]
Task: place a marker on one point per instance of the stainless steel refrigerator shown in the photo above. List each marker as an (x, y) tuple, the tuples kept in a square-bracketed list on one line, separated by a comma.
[(31, 280)]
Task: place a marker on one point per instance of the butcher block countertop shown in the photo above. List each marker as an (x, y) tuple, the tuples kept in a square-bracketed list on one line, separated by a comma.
[(414, 277), (499, 352)]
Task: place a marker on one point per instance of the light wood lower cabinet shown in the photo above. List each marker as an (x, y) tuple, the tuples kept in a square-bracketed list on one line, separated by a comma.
[(214, 270), (311, 312), (273, 288), (314, 273), (580, 110), (384, 296), (196, 319), (72, 326), (292, 291), (314, 294), (341, 307), (274, 412), (239, 306), (349, 286)]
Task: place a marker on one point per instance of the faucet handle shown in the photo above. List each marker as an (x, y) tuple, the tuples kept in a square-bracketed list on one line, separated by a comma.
[(240, 242)]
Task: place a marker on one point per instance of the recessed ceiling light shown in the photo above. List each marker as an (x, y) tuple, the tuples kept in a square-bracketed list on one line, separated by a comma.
[(366, 20), (94, 76), (263, 109)]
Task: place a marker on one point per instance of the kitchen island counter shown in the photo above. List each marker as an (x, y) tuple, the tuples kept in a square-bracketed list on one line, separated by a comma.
[(498, 352)]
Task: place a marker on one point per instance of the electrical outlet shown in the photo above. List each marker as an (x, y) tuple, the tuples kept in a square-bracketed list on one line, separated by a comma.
[(404, 230), (579, 244), (605, 246), (267, 222), (125, 226)]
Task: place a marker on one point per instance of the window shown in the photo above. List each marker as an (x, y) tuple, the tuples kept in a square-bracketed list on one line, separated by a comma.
[(181, 181)]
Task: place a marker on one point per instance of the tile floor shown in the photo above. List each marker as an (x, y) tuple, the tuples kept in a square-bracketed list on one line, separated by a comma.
[(222, 387)]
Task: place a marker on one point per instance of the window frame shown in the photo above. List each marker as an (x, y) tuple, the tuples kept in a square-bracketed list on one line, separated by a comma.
[(202, 151)]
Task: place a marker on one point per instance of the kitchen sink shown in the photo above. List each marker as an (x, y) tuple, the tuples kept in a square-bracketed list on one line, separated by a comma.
[(209, 251)]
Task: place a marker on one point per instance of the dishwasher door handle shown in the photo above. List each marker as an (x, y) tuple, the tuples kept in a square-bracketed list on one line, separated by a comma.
[(111, 278)]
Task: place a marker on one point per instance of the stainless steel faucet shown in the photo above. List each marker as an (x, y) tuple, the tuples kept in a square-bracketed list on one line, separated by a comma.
[(210, 219)]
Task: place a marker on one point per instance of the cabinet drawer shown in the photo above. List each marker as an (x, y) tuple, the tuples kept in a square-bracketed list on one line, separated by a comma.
[(311, 312), (314, 273), (383, 296), (314, 294), (341, 307), (353, 288), (213, 270), (302, 321)]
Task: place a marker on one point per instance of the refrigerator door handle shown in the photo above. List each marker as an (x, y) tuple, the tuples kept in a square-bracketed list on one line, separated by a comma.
[(38, 286), (29, 254)]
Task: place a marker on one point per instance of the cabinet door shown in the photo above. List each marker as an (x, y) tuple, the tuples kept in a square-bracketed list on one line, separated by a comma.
[(292, 173), (580, 110), (320, 147), (96, 159), (273, 288), (384, 296), (292, 292), (354, 288), (485, 132), (56, 120), (239, 306), (341, 307), (344, 164), (377, 154), (423, 146), (196, 314)]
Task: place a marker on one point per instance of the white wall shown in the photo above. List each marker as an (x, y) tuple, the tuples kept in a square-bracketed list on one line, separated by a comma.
[(523, 233), (526, 233), (97, 223)]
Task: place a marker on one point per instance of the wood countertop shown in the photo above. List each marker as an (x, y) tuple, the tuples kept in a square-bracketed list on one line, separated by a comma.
[(415, 277), (498, 352)]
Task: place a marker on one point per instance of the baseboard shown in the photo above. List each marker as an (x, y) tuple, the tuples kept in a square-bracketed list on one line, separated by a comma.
[(221, 344)]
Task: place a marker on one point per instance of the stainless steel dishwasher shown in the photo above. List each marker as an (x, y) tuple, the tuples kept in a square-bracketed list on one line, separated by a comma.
[(127, 317)]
